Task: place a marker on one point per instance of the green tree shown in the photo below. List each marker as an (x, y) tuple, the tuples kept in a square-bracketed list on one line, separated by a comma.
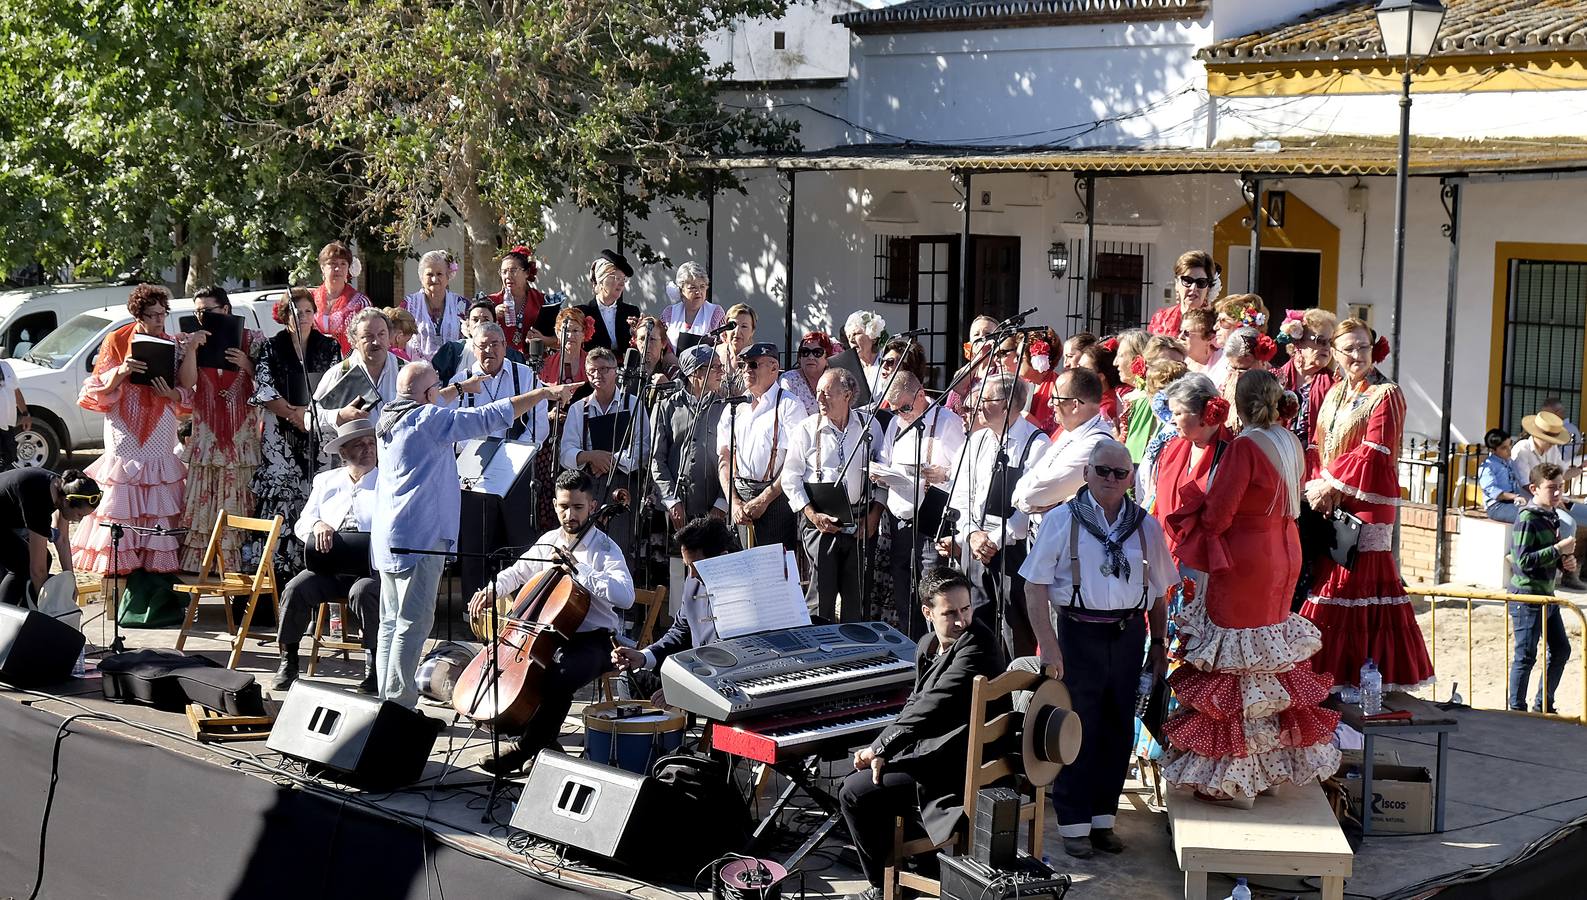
[(490, 111), (131, 137)]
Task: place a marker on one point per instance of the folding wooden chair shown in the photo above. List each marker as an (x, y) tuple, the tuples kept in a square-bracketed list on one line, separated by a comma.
[(979, 772), (324, 640), (654, 602), (213, 581)]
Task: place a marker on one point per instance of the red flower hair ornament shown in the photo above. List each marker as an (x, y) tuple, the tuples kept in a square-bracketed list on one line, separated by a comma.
[(1216, 412), (1111, 345), (1138, 367), (589, 329), (1380, 350), (1266, 348)]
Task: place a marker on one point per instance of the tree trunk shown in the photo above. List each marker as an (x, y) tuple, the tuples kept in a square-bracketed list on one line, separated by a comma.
[(481, 225), (201, 259)]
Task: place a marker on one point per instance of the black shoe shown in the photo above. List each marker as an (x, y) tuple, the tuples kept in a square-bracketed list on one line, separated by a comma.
[(370, 685), (1078, 847), (287, 672), (1105, 840), (870, 893), (1570, 581), (509, 763)]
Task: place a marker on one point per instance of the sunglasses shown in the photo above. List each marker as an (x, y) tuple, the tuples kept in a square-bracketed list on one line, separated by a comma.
[(890, 362), (812, 351), (1111, 472), (1198, 283), (598, 371), (90, 499), (1057, 400)]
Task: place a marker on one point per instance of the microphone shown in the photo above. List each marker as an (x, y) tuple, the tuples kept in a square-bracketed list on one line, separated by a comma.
[(729, 401), (535, 352), (633, 364), (1019, 317), (913, 332), (722, 329)]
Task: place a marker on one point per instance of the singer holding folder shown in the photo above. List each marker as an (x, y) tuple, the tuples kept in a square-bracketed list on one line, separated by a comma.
[(831, 511), (419, 510), (607, 435)]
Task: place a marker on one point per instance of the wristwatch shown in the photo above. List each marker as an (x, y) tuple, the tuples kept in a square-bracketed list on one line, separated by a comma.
[(1160, 642)]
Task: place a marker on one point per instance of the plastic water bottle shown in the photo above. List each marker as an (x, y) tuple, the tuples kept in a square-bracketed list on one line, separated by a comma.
[(1242, 891), (336, 625), (80, 669), (1371, 689), (1143, 692), (509, 311)]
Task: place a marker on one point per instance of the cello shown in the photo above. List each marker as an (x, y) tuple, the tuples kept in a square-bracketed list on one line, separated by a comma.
[(503, 685)]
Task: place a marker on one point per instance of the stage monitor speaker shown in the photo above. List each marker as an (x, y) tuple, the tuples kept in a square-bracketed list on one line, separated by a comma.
[(371, 743), (36, 649), (590, 807)]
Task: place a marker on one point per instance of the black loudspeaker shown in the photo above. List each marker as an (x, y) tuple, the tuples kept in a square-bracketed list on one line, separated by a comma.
[(371, 743), (36, 649), (590, 807)]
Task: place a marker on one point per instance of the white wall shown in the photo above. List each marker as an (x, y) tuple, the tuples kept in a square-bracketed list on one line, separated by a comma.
[(1445, 115), (813, 46)]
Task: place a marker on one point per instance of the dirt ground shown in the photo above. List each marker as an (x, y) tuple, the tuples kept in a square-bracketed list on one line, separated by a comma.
[(1481, 676)]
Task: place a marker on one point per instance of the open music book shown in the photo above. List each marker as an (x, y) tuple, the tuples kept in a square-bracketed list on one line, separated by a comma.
[(754, 590)]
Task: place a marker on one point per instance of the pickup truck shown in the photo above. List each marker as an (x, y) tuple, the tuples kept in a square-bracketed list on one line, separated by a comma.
[(52, 373)]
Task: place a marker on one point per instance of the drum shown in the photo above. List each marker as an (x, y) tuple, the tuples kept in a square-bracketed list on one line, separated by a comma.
[(441, 667), (631, 735)]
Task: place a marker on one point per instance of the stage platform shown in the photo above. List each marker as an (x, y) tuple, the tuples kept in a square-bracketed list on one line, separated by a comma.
[(141, 810)]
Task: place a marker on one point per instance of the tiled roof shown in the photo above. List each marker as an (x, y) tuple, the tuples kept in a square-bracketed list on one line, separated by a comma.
[(1349, 31), (952, 15)]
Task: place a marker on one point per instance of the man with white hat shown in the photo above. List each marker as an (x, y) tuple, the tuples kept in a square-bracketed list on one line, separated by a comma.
[(341, 502), (683, 460), (1546, 434)]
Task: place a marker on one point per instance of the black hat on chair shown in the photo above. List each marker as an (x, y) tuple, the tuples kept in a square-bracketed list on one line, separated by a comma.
[(1051, 737)]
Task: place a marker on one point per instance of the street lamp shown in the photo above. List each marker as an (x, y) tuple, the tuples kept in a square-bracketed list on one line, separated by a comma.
[(1057, 259), (1409, 29)]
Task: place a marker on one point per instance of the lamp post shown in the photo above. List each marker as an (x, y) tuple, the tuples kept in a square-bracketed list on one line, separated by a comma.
[(1409, 29)]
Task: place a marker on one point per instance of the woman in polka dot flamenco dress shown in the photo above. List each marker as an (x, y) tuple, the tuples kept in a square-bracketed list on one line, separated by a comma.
[(1248, 696)]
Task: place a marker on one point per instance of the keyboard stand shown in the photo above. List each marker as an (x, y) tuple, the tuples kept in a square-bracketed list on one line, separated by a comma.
[(801, 777)]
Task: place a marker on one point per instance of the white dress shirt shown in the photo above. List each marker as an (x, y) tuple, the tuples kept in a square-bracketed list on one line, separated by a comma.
[(333, 496), (898, 456), (816, 452), (1061, 472), (385, 386), (1529, 452), (599, 568), (1048, 563), (501, 387), (754, 429), (633, 442), (609, 316), (976, 479)]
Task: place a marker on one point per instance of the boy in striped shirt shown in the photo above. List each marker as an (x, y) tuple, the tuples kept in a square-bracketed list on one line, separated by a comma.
[(1538, 554)]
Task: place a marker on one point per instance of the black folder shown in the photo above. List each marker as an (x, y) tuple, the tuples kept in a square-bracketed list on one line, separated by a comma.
[(354, 386), (608, 432), (688, 339), (158, 354), (349, 555), (832, 499), (225, 333)]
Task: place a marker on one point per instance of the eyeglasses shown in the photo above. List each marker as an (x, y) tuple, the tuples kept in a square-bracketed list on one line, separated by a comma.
[(1057, 400), (890, 362), (1198, 283), (150, 315), (90, 499), (1111, 472), (1354, 349), (598, 371), (811, 351), (986, 400)]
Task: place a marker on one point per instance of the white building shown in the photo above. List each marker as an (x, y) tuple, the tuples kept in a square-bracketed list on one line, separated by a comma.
[(1124, 132)]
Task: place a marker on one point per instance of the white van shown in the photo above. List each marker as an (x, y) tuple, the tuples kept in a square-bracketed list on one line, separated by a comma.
[(28, 314), (52, 373)]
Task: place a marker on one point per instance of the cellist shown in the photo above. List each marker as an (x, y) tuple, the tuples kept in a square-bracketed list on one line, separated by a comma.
[(600, 570)]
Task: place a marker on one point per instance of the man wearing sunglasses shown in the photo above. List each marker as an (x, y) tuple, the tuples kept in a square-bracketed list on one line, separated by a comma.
[(1077, 403), (37, 506), (751, 443), (1195, 287), (1102, 564)]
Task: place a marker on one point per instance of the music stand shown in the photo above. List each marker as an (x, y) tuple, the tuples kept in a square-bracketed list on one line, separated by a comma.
[(495, 475)]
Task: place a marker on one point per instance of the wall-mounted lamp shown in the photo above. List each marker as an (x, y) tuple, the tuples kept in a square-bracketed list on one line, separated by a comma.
[(1057, 259)]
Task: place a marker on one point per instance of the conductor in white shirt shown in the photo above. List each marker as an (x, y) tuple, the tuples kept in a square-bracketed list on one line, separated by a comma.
[(1101, 563), (600, 569), (341, 500), (818, 447), (1077, 402)]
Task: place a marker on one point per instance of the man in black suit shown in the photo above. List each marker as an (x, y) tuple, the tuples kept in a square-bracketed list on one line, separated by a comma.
[(609, 275), (915, 768), (695, 624)]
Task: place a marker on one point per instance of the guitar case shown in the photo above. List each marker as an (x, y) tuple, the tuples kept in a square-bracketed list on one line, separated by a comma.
[(169, 680)]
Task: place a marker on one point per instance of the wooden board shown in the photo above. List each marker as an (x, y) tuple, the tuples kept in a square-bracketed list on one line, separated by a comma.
[(1291, 832)]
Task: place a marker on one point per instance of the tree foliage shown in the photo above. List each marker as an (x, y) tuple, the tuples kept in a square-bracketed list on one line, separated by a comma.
[(126, 143), (497, 110)]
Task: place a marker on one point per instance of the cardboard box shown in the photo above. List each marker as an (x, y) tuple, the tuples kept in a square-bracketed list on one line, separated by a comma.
[(1402, 797)]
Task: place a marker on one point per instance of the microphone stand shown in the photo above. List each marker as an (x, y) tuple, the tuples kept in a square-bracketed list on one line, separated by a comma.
[(117, 530)]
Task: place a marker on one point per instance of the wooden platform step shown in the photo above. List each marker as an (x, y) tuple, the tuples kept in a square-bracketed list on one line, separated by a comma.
[(1291, 832)]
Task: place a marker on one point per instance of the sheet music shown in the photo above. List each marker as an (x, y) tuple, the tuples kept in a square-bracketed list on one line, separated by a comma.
[(754, 590)]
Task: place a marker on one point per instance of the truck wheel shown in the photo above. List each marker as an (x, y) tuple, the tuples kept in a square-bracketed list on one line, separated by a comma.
[(38, 447)]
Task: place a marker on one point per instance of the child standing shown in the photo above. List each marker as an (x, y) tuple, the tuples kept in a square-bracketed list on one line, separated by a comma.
[(1539, 554)]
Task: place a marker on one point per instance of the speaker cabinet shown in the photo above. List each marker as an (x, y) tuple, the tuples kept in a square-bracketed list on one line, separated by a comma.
[(35, 649), (588, 806), (370, 742)]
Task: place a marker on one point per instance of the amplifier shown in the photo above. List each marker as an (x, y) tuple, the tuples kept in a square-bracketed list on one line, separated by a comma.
[(1028, 879)]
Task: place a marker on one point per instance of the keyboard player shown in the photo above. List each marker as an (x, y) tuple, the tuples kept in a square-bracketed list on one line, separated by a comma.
[(694, 626), (915, 768)]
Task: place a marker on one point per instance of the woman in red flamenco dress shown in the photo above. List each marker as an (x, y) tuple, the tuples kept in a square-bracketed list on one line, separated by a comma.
[(1249, 718), (1363, 612)]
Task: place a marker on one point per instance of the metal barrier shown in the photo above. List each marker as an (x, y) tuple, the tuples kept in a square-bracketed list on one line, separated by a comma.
[(1475, 595), (1420, 471)]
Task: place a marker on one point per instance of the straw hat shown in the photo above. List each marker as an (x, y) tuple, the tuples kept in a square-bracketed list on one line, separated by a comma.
[(1051, 736), (1546, 427), (350, 431)]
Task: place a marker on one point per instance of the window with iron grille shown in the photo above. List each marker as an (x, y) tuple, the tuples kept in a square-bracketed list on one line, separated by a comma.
[(1543, 333), (1115, 298), (892, 268), (920, 273)]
